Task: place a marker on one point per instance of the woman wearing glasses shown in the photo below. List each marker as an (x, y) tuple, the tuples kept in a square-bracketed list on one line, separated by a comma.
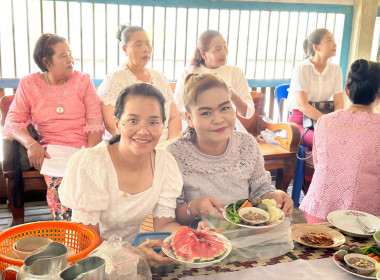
[(138, 50), (114, 186)]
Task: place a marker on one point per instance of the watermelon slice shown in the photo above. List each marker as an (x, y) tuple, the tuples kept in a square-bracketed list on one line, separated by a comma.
[(194, 246)]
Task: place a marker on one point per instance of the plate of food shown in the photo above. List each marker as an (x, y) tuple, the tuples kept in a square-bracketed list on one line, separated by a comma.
[(196, 249), (346, 221), (357, 263), (317, 236), (260, 213)]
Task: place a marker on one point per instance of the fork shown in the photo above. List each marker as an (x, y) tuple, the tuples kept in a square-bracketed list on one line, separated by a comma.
[(366, 229)]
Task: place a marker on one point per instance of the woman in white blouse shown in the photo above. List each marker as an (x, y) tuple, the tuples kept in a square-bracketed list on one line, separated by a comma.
[(315, 79), (138, 50), (114, 186), (210, 56)]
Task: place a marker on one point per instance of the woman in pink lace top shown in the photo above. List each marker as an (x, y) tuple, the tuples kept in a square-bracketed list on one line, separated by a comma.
[(63, 106), (347, 150)]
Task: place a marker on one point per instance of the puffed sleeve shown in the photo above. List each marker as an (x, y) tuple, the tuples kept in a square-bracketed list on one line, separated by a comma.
[(260, 181), (19, 113), (94, 118), (84, 186), (338, 81), (242, 89), (172, 186), (109, 90)]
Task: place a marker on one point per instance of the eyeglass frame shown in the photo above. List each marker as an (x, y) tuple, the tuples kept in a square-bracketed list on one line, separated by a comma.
[(139, 125)]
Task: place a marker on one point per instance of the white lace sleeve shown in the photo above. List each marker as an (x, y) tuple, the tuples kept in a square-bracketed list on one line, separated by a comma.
[(171, 189), (109, 90), (260, 182), (84, 185), (84, 217)]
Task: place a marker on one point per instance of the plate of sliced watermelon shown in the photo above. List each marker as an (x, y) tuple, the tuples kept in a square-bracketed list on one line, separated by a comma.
[(232, 212), (196, 249)]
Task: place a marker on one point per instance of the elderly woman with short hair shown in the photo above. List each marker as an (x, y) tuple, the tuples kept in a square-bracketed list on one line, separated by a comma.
[(63, 106)]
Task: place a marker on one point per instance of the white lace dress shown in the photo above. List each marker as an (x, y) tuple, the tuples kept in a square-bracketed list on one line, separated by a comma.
[(238, 173), (114, 83), (90, 188)]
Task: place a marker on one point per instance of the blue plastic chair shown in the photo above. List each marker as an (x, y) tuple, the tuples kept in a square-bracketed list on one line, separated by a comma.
[(281, 92)]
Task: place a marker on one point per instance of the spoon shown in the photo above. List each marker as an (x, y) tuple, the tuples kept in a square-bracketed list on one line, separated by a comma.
[(366, 229)]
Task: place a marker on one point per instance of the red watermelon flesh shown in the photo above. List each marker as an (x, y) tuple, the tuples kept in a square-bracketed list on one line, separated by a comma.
[(193, 246)]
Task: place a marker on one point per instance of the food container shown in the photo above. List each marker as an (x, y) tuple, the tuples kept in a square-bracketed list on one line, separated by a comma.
[(360, 270), (27, 246), (252, 211)]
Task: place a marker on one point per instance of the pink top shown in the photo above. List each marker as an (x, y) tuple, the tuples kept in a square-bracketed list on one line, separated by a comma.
[(33, 103), (347, 164)]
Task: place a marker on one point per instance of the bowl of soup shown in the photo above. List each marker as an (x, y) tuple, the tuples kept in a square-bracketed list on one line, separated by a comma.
[(253, 215), (363, 264)]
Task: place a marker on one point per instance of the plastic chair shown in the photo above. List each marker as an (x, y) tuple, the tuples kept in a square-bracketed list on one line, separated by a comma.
[(281, 92)]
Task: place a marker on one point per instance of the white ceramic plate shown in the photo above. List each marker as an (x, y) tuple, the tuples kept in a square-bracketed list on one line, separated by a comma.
[(300, 229), (227, 245), (343, 266), (345, 220), (259, 225)]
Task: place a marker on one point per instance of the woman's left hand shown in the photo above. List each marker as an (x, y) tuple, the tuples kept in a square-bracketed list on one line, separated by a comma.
[(154, 260), (204, 226), (284, 202)]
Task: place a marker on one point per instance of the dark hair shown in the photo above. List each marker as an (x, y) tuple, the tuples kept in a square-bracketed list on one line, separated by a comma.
[(314, 38), (203, 45), (124, 33), (194, 85), (305, 46), (139, 89), (44, 49), (363, 82)]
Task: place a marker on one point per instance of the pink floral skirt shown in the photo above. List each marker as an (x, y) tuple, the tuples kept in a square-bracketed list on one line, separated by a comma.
[(58, 211)]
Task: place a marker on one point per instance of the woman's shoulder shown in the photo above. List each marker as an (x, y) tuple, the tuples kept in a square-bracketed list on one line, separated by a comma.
[(243, 137), (352, 117), (178, 146), (157, 75)]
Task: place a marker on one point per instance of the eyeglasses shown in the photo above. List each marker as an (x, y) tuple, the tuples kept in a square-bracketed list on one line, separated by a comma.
[(134, 125)]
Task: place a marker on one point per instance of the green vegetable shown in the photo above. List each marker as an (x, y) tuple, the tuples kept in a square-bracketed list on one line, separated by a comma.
[(239, 203), (369, 250), (231, 213)]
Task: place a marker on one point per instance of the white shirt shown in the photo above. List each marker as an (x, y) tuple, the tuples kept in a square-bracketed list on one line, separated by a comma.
[(233, 76), (90, 188), (318, 86), (114, 83)]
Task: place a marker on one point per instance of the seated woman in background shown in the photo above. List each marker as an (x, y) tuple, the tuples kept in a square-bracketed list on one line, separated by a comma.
[(138, 50), (218, 165), (62, 104), (210, 56), (315, 79), (116, 185), (347, 151)]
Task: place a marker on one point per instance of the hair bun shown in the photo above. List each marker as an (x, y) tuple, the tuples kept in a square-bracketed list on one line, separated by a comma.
[(120, 31), (359, 69)]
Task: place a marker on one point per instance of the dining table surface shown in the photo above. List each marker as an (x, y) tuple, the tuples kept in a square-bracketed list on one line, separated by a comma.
[(303, 262)]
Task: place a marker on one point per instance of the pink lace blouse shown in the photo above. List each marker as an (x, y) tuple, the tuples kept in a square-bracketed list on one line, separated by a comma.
[(34, 103), (347, 164)]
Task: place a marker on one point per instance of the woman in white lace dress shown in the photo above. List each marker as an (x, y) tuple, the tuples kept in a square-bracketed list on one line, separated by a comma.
[(138, 50), (114, 186), (218, 165)]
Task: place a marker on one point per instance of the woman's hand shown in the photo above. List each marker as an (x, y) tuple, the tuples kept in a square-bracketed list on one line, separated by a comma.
[(154, 260), (284, 202), (241, 106), (207, 206), (204, 226), (36, 155)]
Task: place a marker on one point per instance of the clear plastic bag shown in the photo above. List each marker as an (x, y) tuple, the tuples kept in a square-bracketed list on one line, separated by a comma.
[(268, 136), (123, 261)]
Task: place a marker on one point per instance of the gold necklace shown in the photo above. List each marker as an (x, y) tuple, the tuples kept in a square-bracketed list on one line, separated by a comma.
[(121, 177), (59, 109)]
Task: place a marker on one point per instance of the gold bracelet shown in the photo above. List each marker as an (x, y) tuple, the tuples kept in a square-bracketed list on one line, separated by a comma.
[(31, 145)]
